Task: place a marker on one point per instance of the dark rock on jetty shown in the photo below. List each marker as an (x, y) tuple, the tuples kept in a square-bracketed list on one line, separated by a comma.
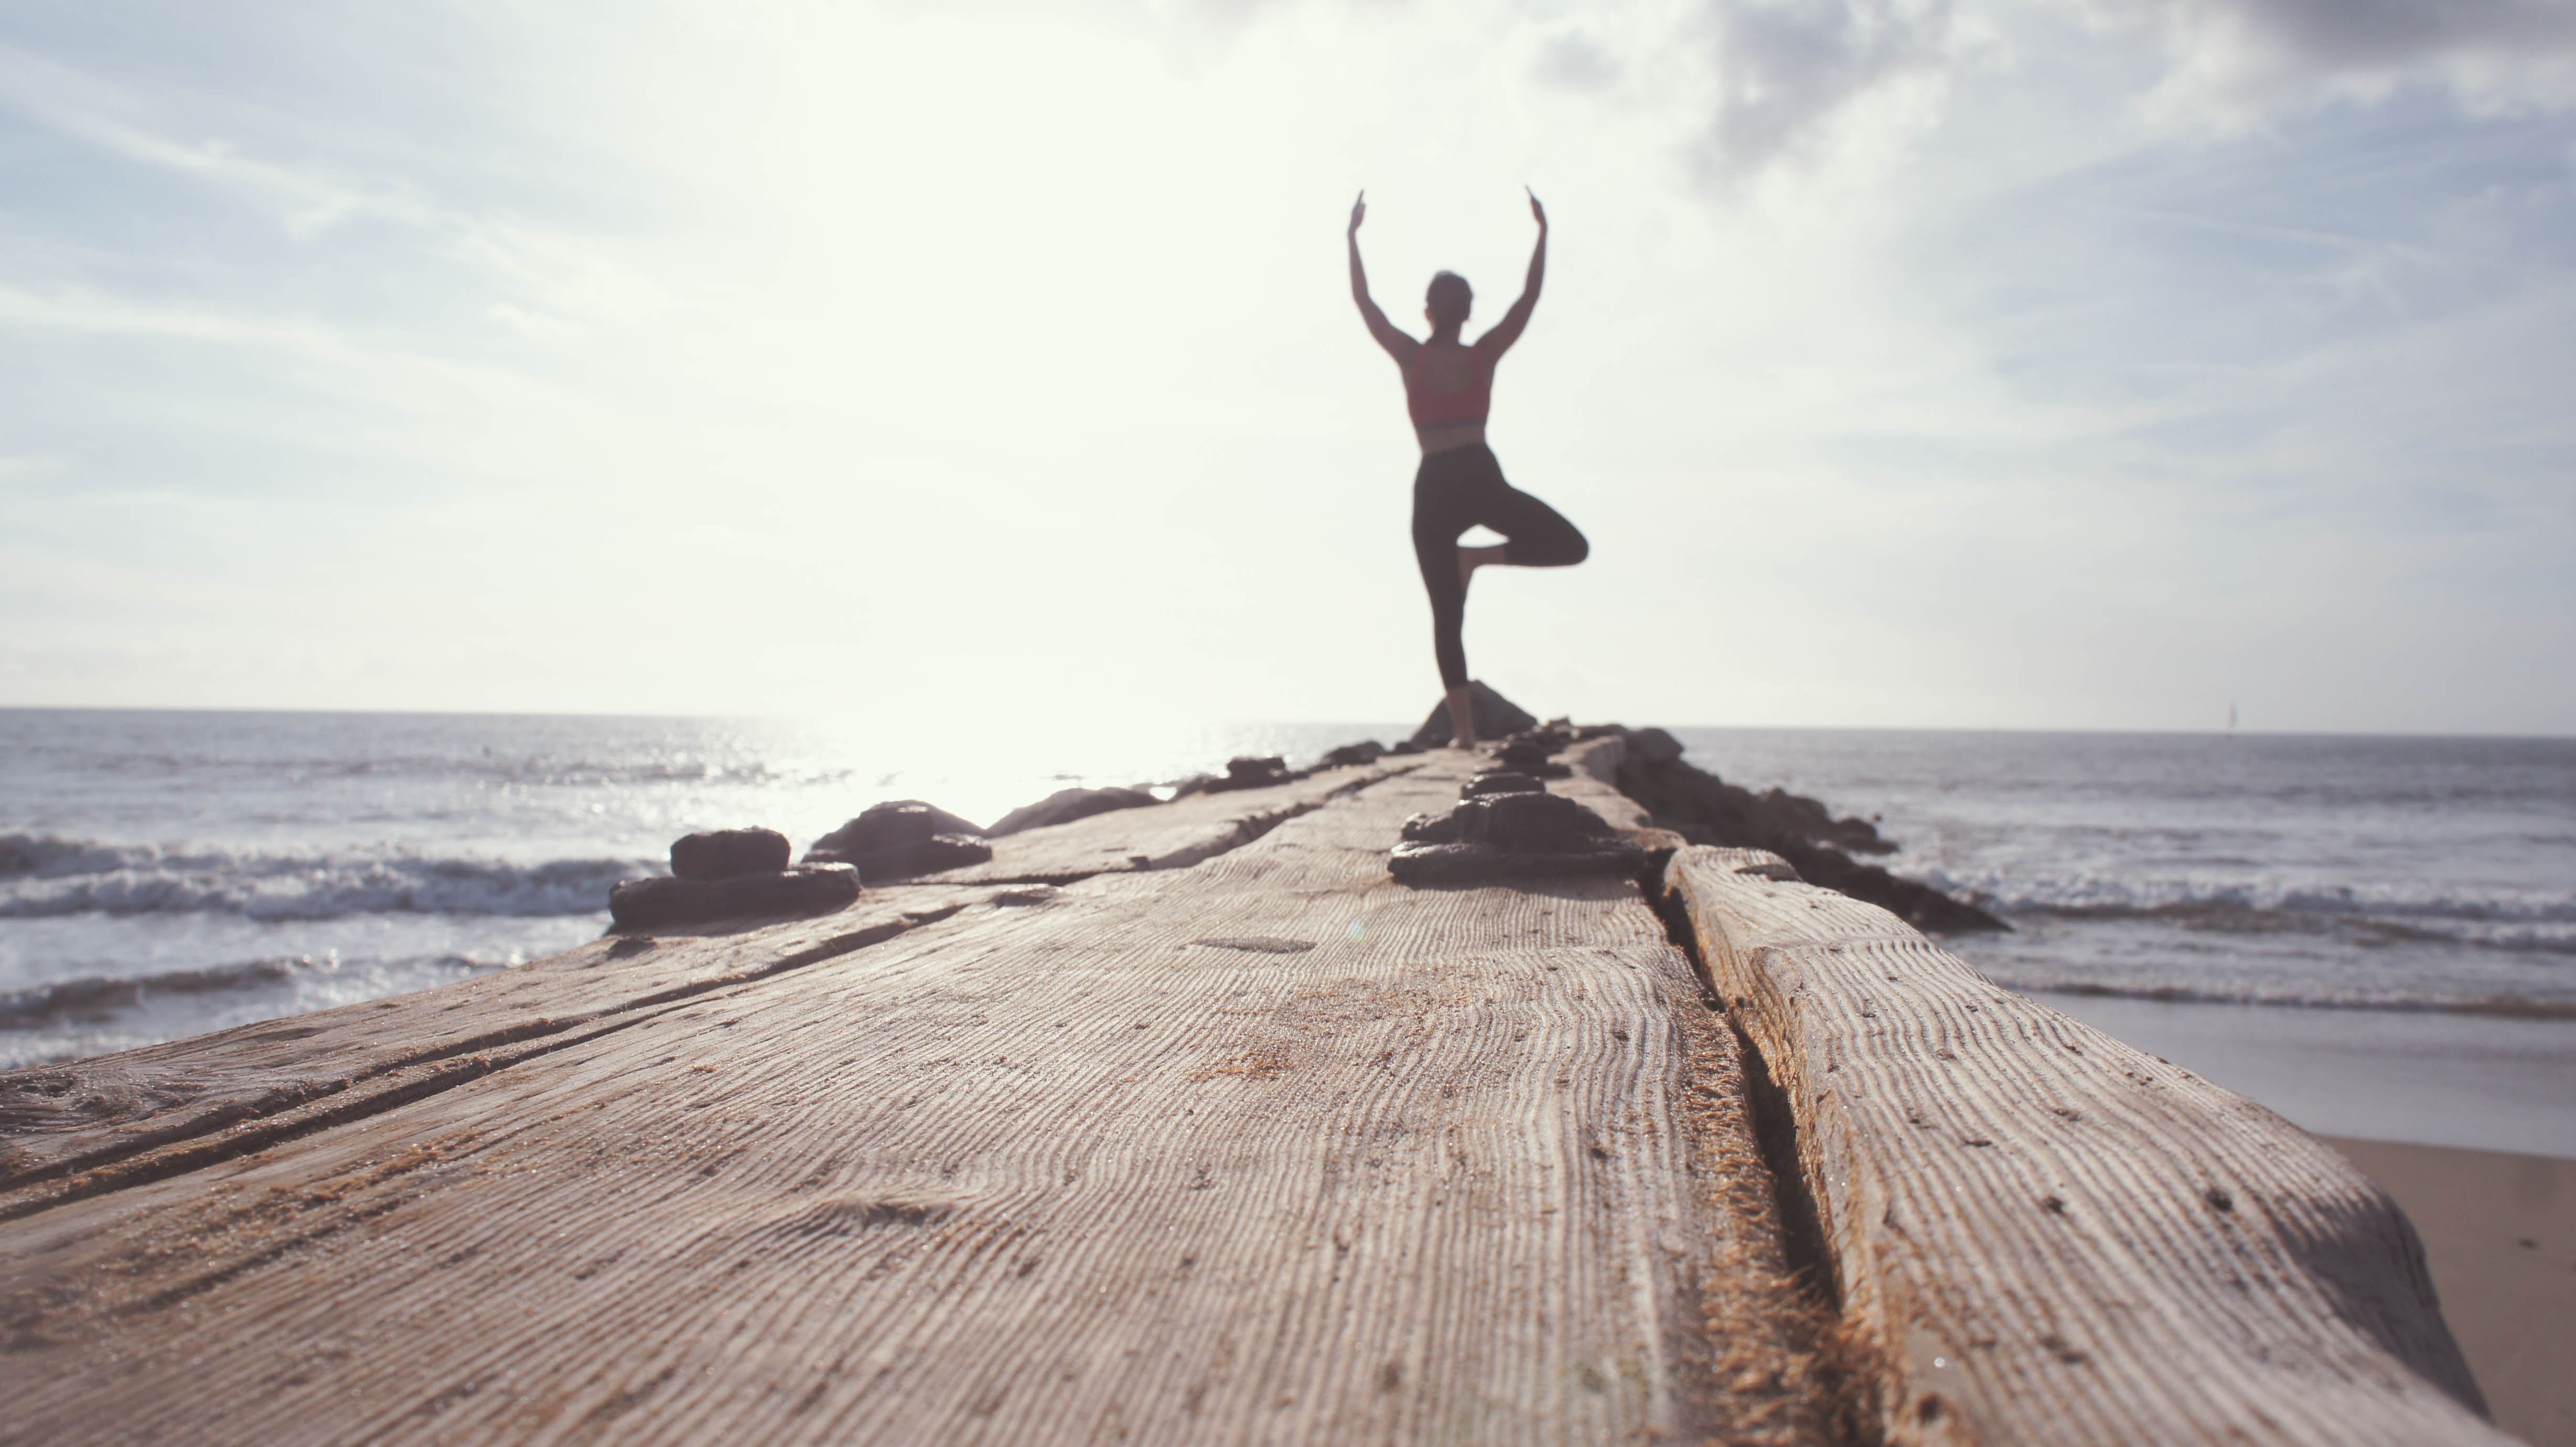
[(1699, 807), (1066, 805), (1500, 781), (1529, 751), (1251, 773), (1654, 746), (1506, 827), (1366, 751), (1496, 717), (724, 853), (662, 903), (1240, 773), (900, 839)]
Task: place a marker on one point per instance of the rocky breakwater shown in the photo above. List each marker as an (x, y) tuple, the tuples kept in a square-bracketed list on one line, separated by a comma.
[(1704, 809), (1700, 808), (730, 874), (1506, 825)]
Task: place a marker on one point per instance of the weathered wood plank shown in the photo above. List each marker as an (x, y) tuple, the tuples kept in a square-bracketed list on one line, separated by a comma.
[(1269, 1149), (2051, 1237), (89, 1125), (144, 1110), (1176, 835)]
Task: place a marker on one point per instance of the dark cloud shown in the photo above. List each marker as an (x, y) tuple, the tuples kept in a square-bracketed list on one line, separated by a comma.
[(1787, 68), (2375, 35), (1787, 71)]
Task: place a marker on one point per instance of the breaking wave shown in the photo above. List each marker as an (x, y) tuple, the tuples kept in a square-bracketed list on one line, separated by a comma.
[(2495, 918), (97, 997), (42, 875), (2508, 1006)]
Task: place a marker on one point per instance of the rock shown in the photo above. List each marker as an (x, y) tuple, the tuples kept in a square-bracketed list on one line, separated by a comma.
[(1367, 751), (1501, 781), (1510, 833), (1549, 739), (1240, 773), (1654, 746), (1496, 717), (1529, 757), (900, 839), (1251, 773), (724, 853), (1703, 809), (1857, 835), (805, 889), (892, 824), (1066, 805), (1402, 747)]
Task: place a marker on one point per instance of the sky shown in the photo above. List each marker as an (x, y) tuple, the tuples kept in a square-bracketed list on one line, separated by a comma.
[(2083, 364)]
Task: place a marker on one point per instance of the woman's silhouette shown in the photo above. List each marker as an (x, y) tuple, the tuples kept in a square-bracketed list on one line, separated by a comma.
[(1447, 384)]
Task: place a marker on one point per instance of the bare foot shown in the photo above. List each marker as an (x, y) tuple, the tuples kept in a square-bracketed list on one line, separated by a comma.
[(1462, 719)]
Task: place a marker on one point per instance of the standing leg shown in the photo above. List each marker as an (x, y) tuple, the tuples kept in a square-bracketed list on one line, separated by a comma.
[(1437, 522)]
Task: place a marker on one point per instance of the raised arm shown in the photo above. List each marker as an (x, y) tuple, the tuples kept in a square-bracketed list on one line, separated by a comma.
[(1508, 330), (1398, 345)]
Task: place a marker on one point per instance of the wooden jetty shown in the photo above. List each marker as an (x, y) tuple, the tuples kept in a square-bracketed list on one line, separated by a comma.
[(1188, 1124)]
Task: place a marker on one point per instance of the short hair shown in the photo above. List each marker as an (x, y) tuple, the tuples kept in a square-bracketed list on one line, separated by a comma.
[(1449, 298)]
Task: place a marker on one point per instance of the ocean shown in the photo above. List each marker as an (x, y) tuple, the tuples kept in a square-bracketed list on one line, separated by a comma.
[(166, 873)]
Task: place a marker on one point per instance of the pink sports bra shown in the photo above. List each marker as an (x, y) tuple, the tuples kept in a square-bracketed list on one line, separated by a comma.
[(1450, 409)]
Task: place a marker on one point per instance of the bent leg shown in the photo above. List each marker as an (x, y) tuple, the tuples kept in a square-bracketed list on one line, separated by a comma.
[(1535, 535)]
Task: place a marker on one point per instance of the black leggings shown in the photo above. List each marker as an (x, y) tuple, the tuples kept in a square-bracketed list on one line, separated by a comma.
[(1461, 488)]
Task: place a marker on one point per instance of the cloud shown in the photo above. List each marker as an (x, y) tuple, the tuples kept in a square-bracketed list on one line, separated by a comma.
[(67, 102), (1788, 71), (1795, 78), (2237, 57), (1575, 61)]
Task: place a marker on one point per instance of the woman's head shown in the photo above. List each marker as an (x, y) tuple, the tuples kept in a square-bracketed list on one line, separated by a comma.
[(1449, 300)]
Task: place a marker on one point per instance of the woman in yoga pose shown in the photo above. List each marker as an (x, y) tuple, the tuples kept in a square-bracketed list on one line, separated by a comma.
[(1447, 384)]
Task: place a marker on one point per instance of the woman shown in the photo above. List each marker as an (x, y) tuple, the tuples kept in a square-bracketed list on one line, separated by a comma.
[(1447, 384)]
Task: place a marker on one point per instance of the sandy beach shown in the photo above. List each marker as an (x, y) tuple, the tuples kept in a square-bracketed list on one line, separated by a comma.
[(2465, 1119), (2500, 1229)]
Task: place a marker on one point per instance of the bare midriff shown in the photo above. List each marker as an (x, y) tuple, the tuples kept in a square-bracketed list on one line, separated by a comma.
[(1456, 434)]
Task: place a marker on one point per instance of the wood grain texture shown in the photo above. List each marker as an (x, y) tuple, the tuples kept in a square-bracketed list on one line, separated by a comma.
[(1176, 835), (152, 1110), (2049, 1236), (1271, 1149), (88, 1125)]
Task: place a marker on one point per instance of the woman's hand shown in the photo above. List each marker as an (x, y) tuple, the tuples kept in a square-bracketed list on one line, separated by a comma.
[(1538, 213), (1359, 212)]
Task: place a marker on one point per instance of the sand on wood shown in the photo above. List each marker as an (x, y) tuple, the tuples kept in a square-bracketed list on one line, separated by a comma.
[(1271, 1148)]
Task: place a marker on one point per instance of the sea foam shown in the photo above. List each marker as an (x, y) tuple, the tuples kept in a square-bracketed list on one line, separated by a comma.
[(42, 876), (2493, 916)]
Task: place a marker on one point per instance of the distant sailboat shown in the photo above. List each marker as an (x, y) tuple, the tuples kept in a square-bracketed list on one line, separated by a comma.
[(2231, 715)]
